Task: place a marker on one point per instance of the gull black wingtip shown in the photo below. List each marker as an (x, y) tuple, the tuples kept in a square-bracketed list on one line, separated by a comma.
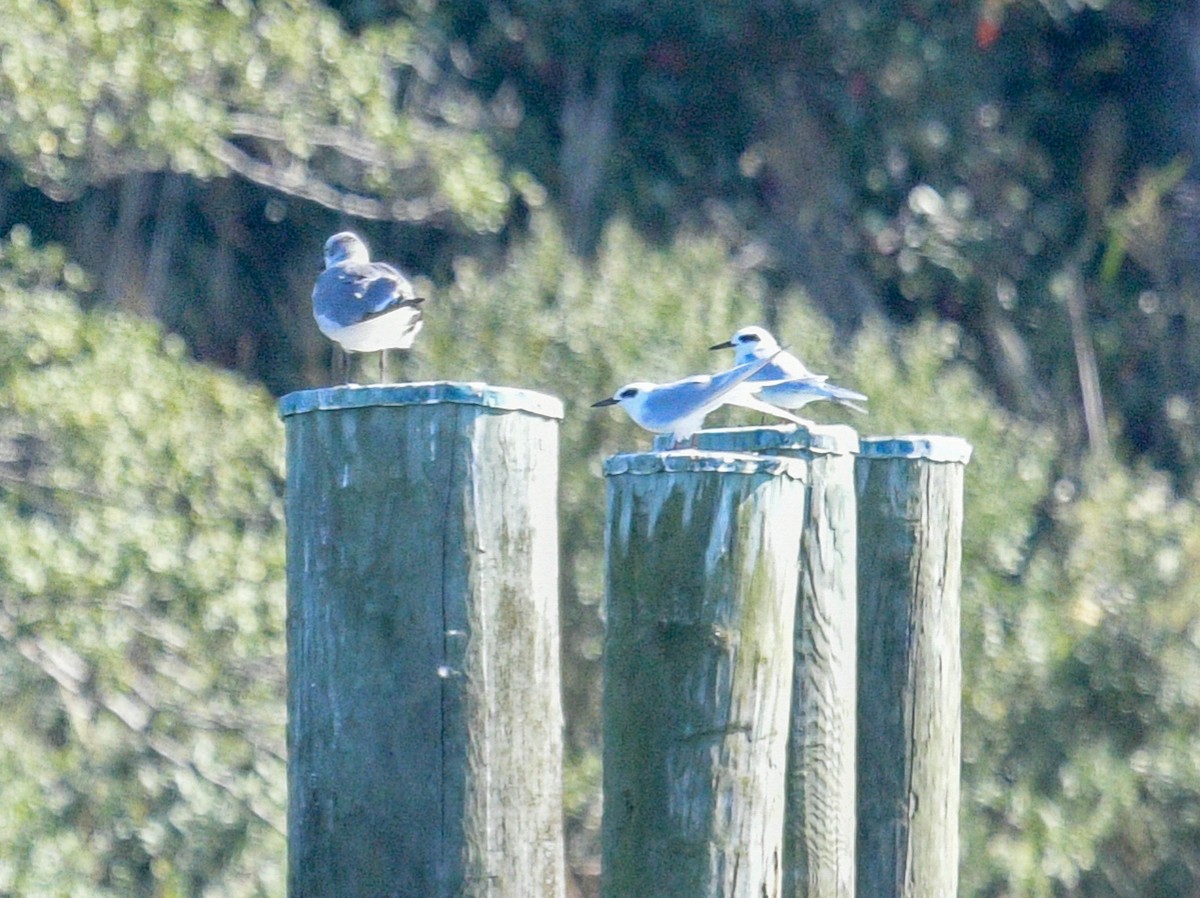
[(611, 400)]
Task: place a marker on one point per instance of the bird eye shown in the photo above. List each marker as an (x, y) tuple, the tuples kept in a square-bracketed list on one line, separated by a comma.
[(628, 393), (749, 338)]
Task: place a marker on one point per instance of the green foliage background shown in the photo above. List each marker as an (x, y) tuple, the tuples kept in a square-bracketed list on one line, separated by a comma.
[(142, 572), (947, 206)]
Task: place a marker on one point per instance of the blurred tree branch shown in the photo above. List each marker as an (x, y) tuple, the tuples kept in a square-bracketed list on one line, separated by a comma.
[(295, 179)]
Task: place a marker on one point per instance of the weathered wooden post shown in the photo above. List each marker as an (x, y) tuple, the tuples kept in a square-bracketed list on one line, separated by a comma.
[(424, 717), (819, 827), (910, 492), (702, 576)]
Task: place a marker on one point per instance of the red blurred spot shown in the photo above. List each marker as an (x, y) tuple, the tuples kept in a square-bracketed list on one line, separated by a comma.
[(987, 32), (858, 85)]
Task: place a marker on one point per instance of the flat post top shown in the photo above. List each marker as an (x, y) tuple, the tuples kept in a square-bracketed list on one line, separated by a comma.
[(930, 447), (819, 439), (513, 399), (679, 461)]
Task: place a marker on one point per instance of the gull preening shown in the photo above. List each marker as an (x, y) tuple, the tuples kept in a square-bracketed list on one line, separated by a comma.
[(361, 305), (680, 407), (784, 381)]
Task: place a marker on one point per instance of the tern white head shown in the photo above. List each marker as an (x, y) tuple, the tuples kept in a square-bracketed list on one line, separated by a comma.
[(346, 246), (361, 305), (785, 381), (680, 407)]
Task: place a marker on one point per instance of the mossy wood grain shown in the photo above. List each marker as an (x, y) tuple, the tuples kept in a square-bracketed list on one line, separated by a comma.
[(702, 567), (819, 829), (910, 670), (424, 718), (821, 794)]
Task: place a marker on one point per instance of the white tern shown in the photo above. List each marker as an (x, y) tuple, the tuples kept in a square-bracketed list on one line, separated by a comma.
[(784, 381), (680, 407), (361, 305)]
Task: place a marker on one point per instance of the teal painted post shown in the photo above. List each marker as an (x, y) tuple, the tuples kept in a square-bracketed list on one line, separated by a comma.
[(424, 717), (702, 552), (910, 521), (819, 828)]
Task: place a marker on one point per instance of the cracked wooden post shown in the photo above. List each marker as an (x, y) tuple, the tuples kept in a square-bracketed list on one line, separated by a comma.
[(424, 712), (819, 827), (910, 519), (702, 565)]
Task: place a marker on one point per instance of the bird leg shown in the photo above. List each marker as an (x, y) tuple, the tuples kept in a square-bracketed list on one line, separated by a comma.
[(405, 357)]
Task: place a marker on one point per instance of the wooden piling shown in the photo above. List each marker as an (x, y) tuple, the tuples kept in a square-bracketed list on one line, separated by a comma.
[(702, 552), (424, 712), (910, 492), (819, 828)]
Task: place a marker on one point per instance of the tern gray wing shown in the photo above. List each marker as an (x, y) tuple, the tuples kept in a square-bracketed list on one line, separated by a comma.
[(748, 400), (378, 285), (352, 292), (702, 392), (785, 366), (799, 392), (678, 400)]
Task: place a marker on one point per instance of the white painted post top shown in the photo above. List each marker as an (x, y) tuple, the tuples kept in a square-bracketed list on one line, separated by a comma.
[(931, 447), (819, 439), (424, 393), (678, 461)]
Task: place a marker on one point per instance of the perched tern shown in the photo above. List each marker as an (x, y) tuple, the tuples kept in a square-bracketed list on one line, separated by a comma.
[(679, 407), (784, 381), (361, 305)]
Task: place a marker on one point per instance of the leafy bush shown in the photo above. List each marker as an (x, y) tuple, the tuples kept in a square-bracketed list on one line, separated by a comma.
[(141, 606), (142, 601)]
